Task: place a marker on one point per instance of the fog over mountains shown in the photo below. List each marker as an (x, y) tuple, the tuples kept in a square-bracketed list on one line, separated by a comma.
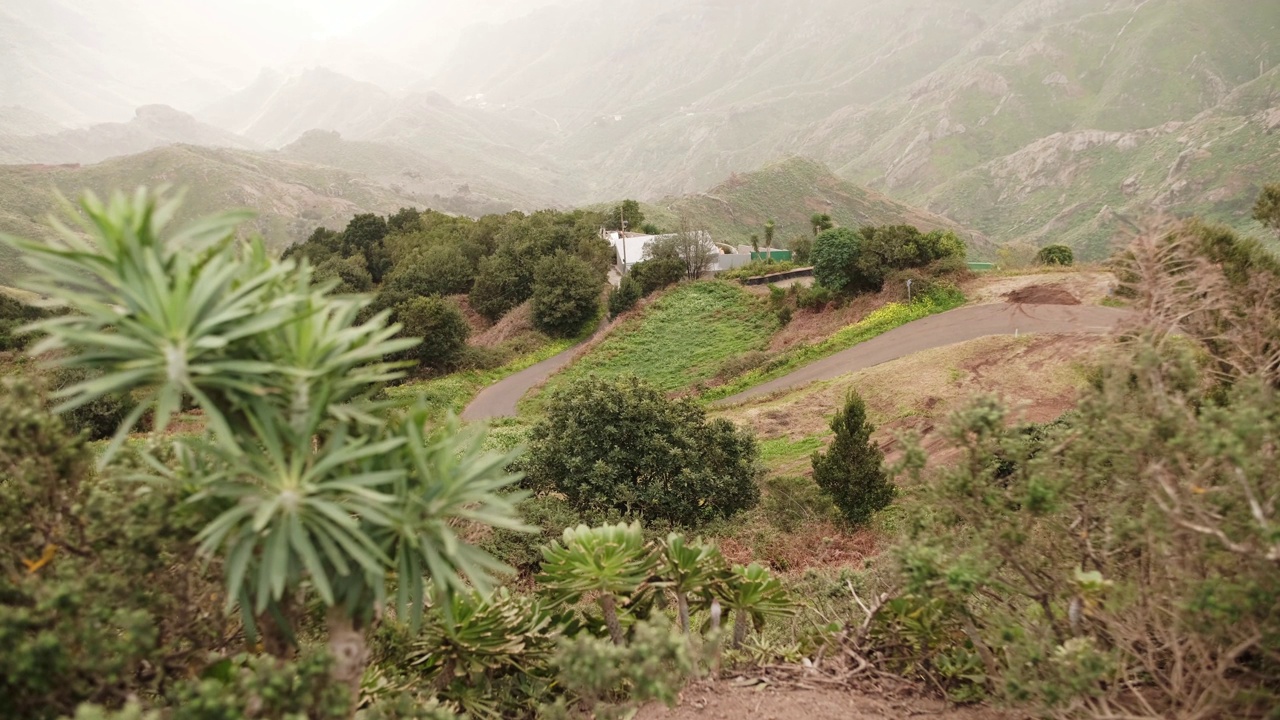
[(1021, 120)]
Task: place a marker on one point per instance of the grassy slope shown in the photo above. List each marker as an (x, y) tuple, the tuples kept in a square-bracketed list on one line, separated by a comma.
[(876, 323), (680, 340), (291, 198), (790, 192)]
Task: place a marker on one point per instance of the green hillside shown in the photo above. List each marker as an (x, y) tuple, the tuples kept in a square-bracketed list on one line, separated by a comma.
[(790, 192), (291, 198)]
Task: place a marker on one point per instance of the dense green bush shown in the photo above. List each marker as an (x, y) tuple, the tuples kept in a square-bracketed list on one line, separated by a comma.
[(835, 260), (99, 418), (887, 248), (622, 446), (625, 296), (1267, 209), (801, 249), (815, 297), (1055, 255), (351, 274), (439, 326), (15, 314), (499, 286), (655, 274), (566, 295), (101, 593), (438, 270), (851, 471)]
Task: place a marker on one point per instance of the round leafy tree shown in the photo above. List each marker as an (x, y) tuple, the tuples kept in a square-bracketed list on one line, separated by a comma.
[(499, 286), (852, 469), (440, 325), (621, 445), (1055, 255), (835, 259), (566, 294), (440, 270)]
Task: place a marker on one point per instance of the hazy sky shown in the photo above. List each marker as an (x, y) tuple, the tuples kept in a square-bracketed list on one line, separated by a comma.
[(190, 52)]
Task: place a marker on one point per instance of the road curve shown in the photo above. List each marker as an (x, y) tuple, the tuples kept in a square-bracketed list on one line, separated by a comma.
[(499, 399), (954, 326), (966, 323)]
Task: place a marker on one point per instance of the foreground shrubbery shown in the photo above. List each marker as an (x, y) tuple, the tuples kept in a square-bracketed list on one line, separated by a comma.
[(256, 567), (1124, 561)]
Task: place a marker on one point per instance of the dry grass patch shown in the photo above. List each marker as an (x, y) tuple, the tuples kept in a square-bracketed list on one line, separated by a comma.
[(1038, 375)]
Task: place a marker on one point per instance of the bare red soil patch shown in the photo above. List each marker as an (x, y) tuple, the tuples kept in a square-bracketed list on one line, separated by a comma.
[(1042, 295)]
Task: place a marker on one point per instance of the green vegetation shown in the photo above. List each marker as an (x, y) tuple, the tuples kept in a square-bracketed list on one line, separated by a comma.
[(758, 268), (1267, 209), (1055, 255), (620, 446), (851, 471), (939, 298), (309, 504), (782, 192), (679, 340), (566, 294), (439, 320)]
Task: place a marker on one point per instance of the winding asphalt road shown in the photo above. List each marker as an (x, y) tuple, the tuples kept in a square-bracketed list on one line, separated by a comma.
[(954, 326)]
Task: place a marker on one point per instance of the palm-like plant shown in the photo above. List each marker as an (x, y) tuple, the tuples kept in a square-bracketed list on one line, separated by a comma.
[(610, 561), (690, 568), (313, 489), (754, 595)]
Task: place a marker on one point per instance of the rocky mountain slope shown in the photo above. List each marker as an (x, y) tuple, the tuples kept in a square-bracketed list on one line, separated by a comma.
[(789, 192), (291, 198), (909, 97), (153, 126)]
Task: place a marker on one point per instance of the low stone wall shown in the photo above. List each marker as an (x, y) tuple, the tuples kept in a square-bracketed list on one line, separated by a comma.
[(779, 277)]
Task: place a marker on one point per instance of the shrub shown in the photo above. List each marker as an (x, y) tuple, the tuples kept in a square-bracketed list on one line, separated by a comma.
[(566, 295), (851, 471), (739, 364), (499, 286), (1267, 209), (815, 297), (835, 260), (297, 483), (801, 249), (440, 325), (622, 446), (15, 314), (612, 680), (624, 297), (1055, 255), (522, 550), (102, 595), (887, 248), (657, 273), (439, 270), (100, 417), (351, 273)]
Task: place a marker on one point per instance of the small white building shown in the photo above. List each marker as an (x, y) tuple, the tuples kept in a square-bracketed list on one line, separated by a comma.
[(630, 247)]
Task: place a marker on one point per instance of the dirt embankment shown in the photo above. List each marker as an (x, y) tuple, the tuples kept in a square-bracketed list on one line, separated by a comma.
[(752, 699), (1042, 295)]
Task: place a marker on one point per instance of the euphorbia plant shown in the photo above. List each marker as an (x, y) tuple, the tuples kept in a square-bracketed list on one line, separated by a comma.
[(753, 595), (315, 490), (611, 561), (690, 568)]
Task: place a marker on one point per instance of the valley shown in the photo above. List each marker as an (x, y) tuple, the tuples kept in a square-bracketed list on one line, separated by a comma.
[(612, 359)]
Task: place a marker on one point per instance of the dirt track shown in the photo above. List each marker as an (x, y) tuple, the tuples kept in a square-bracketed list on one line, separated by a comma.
[(959, 325)]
